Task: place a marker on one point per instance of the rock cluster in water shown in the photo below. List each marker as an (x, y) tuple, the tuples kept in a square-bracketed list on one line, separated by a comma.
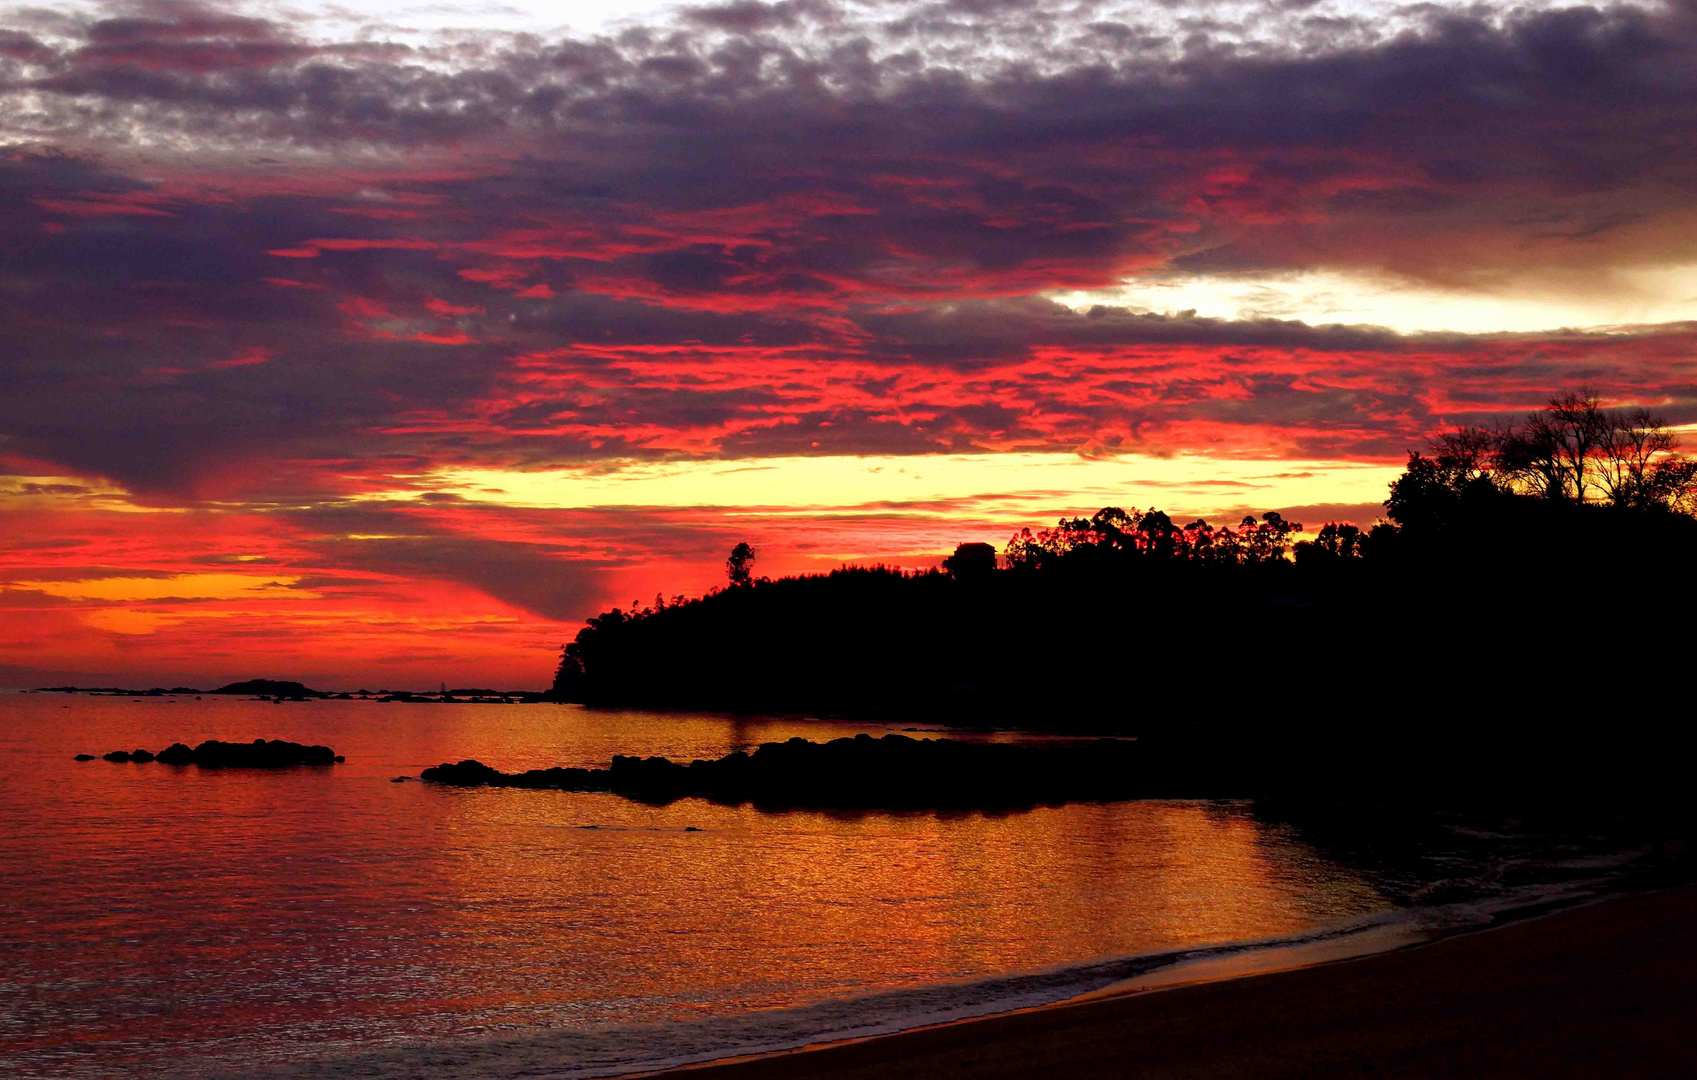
[(894, 772), (258, 754)]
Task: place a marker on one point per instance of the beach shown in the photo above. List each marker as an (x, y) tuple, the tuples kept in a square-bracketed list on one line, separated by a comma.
[(1609, 989)]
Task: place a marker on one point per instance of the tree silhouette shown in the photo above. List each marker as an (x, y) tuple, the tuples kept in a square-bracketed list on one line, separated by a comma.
[(1337, 540), (1422, 496), (1267, 540), (1530, 459), (1630, 451), (1578, 425), (1471, 582), (971, 562), (740, 566), (1638, 467), (1564, 453)]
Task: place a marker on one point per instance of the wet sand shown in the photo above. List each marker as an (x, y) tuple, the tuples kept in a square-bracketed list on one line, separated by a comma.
[(1606, 990)]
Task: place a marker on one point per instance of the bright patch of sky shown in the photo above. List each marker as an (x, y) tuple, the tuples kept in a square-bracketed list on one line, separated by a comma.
[(212, 586), (539, 16), (1262, 22), (1601, 299), (973, 483), (526, 16)]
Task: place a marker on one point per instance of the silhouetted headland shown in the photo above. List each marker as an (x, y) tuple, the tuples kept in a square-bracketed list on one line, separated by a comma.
[(894, 772), (213, 754), (1524, 581), (1511, 620)]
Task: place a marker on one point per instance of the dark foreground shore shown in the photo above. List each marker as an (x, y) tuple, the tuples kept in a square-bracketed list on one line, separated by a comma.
[(1607, 990)]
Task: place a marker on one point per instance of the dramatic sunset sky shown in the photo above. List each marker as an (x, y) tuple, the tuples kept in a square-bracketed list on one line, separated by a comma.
[(379, 344)]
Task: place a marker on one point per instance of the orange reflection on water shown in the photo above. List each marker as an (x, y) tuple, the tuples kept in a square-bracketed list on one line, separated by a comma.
[(769, 910), (150, 915)]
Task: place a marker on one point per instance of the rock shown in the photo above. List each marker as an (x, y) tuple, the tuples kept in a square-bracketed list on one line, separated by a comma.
[(85, 757), (213, 754), (468, 773), (269, 688), (260, 754), (894, 772)]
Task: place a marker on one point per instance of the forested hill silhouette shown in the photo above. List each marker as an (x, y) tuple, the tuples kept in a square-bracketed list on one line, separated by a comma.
[(1528, 575)]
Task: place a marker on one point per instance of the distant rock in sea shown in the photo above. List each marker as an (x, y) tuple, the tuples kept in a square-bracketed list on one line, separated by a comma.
[(894, 772), (270, 688), (115, 691), (213, 754)]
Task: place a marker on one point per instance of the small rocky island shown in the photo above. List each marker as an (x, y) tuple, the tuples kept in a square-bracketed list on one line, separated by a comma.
[(893, 772), (213, 754)]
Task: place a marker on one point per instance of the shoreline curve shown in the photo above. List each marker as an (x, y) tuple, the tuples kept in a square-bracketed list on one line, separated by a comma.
[(1508, 999)]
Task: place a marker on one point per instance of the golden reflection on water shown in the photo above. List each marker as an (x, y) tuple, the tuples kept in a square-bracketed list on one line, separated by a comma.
[(775, 909), (146, 913)]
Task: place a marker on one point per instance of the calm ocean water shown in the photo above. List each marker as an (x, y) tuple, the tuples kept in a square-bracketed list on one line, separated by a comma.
[(160, 922)]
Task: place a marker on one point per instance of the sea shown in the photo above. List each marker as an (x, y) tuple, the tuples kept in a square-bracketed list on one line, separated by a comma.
[(161, 921)]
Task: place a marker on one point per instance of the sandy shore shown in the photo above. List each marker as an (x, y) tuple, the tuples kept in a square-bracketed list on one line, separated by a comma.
[(1604, 991)]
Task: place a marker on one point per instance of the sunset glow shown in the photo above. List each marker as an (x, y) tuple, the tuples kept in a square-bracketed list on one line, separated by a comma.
[(382, 344)]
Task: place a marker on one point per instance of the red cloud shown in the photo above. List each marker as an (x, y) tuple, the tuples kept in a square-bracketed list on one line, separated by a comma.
[(258, 354), (446, 310), (572, 253), (132, 205)]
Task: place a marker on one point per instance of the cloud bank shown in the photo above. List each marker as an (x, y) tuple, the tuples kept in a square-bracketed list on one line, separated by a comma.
[(256, 269)]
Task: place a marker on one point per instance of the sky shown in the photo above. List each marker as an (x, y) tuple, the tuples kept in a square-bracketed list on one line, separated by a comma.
[(379, 344)]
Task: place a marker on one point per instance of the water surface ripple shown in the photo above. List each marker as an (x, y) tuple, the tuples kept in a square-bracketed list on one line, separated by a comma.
[(157, 921)]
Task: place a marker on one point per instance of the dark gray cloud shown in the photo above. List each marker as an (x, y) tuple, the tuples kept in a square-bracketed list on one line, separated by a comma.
[(972, 332), (516, 574), (239, 258)]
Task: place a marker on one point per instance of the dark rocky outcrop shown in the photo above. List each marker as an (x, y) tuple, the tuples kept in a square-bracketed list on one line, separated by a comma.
[(176, 754), (270, 688), (260, 754), (85, 757), (213, 754), (894, 772)]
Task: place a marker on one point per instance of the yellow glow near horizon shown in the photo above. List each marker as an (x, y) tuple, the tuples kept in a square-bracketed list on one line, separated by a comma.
[(70, 492), (175, 587), (961, 483), (126, 621)]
